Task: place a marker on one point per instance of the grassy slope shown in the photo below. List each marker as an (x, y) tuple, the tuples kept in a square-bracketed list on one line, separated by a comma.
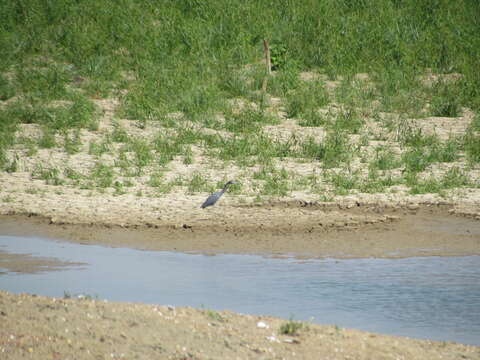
[(191, 57)]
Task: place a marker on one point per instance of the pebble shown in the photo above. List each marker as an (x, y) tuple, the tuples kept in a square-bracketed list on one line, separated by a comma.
[(262, 325), (272, 339), (413, 206), (291, 341)]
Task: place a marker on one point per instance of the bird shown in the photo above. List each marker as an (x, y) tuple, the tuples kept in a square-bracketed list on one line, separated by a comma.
[(213, 198)]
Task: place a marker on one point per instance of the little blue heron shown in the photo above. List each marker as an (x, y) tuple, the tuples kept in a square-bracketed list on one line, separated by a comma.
[(212, 199)]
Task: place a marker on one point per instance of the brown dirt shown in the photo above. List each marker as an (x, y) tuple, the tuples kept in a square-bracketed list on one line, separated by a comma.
[(36, 327), (295, 228)]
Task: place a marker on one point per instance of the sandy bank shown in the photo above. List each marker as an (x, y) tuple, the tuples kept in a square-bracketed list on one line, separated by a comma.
[(48, 328)]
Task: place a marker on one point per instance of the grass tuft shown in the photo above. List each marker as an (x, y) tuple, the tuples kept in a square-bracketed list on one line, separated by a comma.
[(445, 99), (290, 328), (306, 99), (51, 176), (102, 175)]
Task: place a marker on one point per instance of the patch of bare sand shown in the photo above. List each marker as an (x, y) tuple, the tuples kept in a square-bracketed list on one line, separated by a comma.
[(289, 129), (50, 328), (445, 127)]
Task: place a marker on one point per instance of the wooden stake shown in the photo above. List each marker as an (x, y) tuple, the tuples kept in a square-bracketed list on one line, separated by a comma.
[(268, 64)]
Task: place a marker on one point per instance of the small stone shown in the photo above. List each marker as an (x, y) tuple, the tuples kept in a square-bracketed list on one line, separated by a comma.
[(272, 339), (291, 341), (413, 206), (262, 325)]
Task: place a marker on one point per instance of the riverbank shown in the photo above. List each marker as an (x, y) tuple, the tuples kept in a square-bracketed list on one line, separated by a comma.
[(81, 328), (42, 327), (295, 228)]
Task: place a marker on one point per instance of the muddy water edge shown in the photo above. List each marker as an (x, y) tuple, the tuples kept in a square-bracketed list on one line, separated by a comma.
[(308, 231)]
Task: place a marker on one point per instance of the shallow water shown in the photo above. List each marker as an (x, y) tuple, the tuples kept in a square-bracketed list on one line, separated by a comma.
[(423, 297)]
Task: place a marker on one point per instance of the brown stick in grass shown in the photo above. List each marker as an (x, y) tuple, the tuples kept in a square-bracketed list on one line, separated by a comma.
[(268, 64)]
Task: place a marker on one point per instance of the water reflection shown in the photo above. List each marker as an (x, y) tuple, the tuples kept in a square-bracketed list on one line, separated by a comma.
[(431, 297)]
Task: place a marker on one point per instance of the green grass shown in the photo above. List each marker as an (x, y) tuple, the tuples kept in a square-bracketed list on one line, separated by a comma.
[(312, 117), (336, 149), (30, 144), (214, 316), (172, 62), (167, 147), (47, 140), (472, 147), (453, 178), (399, 90), (7, 91), (355, 93), (290, 328), (44, 80), (8, 199), (232, 82), (102, 175), (378, 182), (385, 159), (306, 99), (7, 135), (75, 177), (475, 124), (248, 120), (72, 143), (51, 175), (198, 183), (445, 100), (258, 147), (285, 80), (342, 182), (471, 140), (273, 182), (52, 119), (348, 120), (119, 134), (143, 155), (425, 150), (157, 182), (98, 148), (175, 50)]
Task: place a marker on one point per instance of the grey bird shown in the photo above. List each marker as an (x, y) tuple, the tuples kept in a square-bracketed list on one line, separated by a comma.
[(212, 199)]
